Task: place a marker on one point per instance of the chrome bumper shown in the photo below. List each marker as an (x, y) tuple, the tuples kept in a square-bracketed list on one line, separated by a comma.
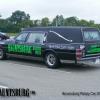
[(94, 60), (86, 60)]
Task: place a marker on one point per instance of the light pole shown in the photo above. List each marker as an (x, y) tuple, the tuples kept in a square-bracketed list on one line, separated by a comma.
[(57, 20)]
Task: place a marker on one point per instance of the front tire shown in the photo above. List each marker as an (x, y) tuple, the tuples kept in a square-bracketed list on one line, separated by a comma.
[(2, 55), (51, 60)]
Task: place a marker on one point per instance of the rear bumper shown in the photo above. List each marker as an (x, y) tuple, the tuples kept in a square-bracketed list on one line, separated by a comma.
[(95, 60), (86, 60)]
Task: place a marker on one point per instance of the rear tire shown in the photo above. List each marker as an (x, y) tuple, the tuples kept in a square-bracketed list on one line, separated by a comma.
[(51, 60), (2, 55)]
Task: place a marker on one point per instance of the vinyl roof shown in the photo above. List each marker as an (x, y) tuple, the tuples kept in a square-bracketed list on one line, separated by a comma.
[(58, 28)]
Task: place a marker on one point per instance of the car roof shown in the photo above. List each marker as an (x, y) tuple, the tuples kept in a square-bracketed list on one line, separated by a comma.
[(73, 33), (64, 28)]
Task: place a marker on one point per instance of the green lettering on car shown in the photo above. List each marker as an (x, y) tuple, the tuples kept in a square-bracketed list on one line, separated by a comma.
[(94, 49), (37, 50), (24, 49)]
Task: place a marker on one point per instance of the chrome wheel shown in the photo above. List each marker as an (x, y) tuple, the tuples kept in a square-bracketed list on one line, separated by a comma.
[(51, 60)]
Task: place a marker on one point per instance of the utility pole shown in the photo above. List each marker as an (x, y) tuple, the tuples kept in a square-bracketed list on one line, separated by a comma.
[(57, 20)]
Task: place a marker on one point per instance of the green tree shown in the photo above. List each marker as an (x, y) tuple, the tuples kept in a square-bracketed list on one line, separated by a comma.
[(83, 23), (58, 21), (19, 16), (45, 21), (19, 20), (3, 25), (71, 21), (37, 23)]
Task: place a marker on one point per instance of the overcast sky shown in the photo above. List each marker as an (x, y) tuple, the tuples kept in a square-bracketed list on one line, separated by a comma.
[(84, 9)]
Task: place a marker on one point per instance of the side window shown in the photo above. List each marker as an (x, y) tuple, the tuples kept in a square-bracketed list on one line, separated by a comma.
[(22, 37), (91, 36), (36, 38)]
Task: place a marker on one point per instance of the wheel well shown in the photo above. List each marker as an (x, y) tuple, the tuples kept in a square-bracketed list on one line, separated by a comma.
[(49, 51)]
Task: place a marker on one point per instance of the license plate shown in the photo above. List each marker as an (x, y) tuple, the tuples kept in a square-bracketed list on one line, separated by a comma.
[(97, 61)]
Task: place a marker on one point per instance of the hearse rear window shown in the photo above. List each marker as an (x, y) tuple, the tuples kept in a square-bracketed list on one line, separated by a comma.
[(92, 36)]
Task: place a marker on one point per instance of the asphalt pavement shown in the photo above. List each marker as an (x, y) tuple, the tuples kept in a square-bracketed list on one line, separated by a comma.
[(50, 84)]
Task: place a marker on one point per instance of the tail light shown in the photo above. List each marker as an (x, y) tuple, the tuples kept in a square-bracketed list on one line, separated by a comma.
[(79, 54)]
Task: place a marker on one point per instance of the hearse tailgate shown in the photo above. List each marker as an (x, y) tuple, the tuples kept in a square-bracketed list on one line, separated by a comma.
[(92, 49), (92, 53)]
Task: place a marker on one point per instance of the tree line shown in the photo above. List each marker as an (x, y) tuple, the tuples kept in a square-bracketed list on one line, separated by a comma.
[(19, 19)]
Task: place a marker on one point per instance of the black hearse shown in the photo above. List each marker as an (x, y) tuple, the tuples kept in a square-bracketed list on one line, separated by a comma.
[(54, 44)]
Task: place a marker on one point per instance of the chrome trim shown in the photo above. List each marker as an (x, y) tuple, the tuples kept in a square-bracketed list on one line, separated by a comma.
[(89, 58), (24, 57), (89, 55)]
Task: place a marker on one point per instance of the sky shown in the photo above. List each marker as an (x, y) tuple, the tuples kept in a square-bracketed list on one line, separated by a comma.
[(83, 9)]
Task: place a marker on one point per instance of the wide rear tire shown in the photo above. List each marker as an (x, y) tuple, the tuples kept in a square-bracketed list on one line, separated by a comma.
[(51, 60)]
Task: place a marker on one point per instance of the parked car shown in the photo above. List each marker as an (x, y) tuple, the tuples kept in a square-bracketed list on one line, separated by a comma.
[(54, 45), (3, 36)]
